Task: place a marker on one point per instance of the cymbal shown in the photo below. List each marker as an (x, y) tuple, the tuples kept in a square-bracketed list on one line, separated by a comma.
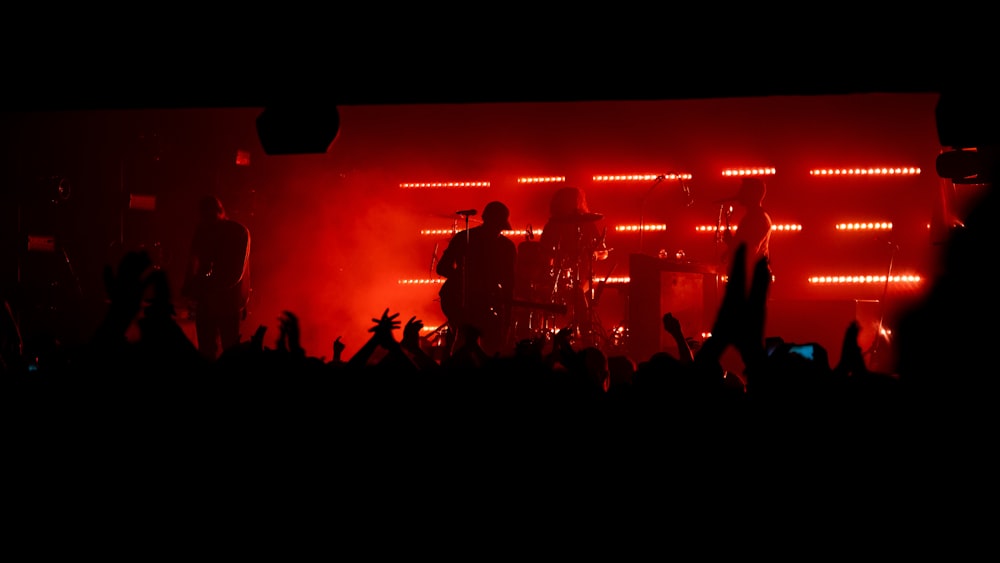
[(579, 218)]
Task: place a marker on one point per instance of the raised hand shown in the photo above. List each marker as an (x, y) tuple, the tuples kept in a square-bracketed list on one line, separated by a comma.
[(384, 327), (257, 340), (751, 341), (852, 360), (672, 325), (289, 334), (411, 333), (338, 350), (739, 321)]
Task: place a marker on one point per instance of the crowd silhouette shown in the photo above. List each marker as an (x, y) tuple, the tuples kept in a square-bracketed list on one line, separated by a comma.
[(139, 357), (269, 425), (138, 415)]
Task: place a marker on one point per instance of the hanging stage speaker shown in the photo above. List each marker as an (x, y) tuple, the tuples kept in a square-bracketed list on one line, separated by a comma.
[(307, 128)]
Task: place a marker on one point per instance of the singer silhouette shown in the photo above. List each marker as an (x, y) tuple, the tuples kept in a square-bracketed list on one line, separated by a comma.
[(753, 228), (479, 267)]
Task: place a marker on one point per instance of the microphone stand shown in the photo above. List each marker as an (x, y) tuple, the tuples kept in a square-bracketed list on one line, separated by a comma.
[(719, 252), (465, 258), (642, 205)]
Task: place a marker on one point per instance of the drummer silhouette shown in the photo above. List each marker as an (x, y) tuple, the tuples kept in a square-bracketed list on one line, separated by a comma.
[(570, 243)]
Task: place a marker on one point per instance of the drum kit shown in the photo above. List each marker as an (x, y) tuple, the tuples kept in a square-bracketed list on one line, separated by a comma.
[(556, 285)]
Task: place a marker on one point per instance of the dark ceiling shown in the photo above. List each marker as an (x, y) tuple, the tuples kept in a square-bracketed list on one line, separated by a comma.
[(259, 57), (169, 60)]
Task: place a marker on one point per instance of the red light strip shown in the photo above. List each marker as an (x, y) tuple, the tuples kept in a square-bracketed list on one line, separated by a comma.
[(421, 281), (877, 226), (636, 228), (449, 232), (818, 280), (541, 180), (880, 279), (640, 177), (775, 228), (749, 172), (904, 171), (417, 185), (619, 280)]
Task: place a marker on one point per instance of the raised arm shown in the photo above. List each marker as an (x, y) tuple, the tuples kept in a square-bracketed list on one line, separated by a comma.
[(673, 328)]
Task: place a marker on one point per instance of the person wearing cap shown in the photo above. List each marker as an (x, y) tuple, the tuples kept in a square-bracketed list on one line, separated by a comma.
[(754, 226), (479, 270)]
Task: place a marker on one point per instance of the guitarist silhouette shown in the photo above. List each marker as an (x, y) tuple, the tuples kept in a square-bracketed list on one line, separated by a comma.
[(217, 279), (479, 267)]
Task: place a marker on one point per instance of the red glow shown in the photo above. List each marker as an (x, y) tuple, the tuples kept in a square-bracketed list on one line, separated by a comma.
[(339, 237)]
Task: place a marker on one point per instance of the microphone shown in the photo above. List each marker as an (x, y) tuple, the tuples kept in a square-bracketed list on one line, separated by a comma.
[(466, 212)]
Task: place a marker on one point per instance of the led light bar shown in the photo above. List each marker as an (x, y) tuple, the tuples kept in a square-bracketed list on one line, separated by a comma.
[(508, 233), (637, 228), (412, 185), (617, 280), (421, 281), (640, 177), (876, 226), (866, 279), (541, 180), (899, 171), (520, 232), (774, 228), (749, 172)]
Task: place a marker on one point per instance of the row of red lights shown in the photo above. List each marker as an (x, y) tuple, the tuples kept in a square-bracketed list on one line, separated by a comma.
[(820, 280), (792, 227), (641, 177), (865, 172), (730, 172)]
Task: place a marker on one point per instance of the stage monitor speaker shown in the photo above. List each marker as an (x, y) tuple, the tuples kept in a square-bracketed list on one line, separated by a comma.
[(308, 128), (658, 286)]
